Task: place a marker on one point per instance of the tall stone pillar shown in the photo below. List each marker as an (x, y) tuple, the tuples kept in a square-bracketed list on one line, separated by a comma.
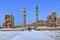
[(24, 13), (36, 15)]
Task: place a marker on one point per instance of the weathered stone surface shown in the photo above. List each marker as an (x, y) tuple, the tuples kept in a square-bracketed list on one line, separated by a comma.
[(52, 20), (9, 21)]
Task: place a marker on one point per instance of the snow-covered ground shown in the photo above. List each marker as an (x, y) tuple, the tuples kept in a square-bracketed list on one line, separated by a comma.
[(30, 35)]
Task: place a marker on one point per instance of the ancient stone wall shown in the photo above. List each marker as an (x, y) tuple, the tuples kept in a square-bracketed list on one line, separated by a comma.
[(8, 21), (52, 20)]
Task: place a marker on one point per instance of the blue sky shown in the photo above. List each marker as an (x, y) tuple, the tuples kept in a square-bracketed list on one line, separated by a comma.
[(15, 8)]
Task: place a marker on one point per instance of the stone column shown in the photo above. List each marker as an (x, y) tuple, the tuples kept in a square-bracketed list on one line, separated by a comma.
[(24, 13), (36, 15)]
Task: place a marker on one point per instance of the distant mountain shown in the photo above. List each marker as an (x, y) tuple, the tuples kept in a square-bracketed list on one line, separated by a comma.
[(40, 23), (44, 23)]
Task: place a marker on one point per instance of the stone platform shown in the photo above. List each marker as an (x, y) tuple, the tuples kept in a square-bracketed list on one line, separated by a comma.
[(38, 29), (47, 28)]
